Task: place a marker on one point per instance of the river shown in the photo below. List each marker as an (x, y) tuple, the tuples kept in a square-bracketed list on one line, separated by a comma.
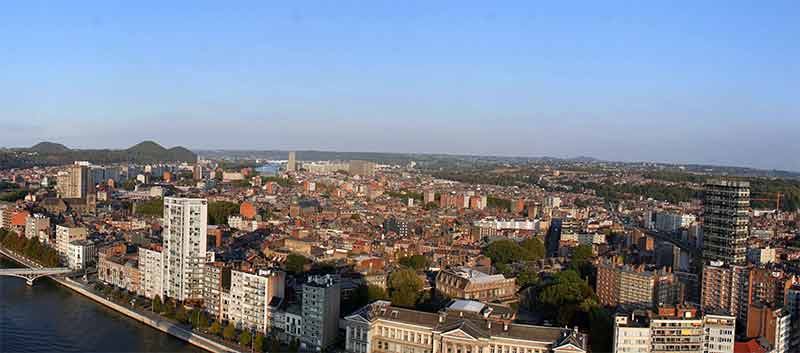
[(50, 318)]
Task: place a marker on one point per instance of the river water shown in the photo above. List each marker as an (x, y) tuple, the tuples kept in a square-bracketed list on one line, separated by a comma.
[(50, 318)]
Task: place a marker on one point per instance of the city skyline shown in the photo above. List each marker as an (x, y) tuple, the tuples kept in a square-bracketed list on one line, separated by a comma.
[(635, 82)]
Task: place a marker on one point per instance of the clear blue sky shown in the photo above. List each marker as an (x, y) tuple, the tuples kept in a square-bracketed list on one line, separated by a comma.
[(676, 81)]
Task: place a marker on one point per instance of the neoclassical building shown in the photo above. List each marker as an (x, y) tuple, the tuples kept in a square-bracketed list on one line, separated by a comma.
[(464, 327)]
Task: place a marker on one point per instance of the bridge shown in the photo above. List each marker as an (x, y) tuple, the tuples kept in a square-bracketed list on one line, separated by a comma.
[(31, 274)]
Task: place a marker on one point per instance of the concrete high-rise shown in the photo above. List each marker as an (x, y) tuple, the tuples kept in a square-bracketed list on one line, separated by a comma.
[(74, 183), (185, 228), (725, 221), (320, 311), (291, 164)]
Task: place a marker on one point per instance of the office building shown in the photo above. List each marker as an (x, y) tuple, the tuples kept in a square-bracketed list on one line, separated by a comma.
[(320, 312), (471, 328), (184, 233), (725, 221)]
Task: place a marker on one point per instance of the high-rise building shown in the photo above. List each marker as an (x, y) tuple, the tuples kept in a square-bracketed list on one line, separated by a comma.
[(362, 168), (185, 228), (636, 288), (291, 164), (251, 293), (725, 221), (320, 311), (151, 267), (74, 183), (38, 226), (725, 289)]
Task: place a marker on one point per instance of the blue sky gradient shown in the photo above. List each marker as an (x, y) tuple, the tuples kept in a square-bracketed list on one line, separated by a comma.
[(689, 82)]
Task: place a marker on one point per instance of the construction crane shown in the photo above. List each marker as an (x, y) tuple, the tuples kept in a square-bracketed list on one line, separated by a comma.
[(777, 198)]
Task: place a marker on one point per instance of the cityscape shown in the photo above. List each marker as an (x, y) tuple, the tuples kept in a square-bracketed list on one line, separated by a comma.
[(387, 177)]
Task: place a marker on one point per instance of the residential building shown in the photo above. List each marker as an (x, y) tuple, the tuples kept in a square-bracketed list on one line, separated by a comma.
[(774, 324), (74, 183), (38, 226), (320, 311), (634, 287), (184, 233), (725, 221), (67, 234), (251, 293), (673, 329), (80, 253), (151, 265), (291, 164), (725, 289)]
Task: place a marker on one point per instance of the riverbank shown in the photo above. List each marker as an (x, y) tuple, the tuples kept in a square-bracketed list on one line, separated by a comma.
[(147, 318)]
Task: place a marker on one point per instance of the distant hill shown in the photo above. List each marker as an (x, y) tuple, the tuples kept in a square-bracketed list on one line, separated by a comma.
[(50, 153), (49, 147)]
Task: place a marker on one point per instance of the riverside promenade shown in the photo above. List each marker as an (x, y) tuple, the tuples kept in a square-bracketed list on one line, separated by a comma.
[(151, 319)]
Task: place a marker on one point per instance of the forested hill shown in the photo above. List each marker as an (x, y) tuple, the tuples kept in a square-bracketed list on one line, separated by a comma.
[(49, 153)]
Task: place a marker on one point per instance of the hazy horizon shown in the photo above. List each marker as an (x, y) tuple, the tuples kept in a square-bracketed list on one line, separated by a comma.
[(685, 83)]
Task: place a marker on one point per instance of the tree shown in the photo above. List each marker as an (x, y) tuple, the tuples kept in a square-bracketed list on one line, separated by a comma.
[(218, 211), (535, 248), (202, 320), (180, 314), (581, 254), (229, 332), (294, 346), (527, 278), (375, 293), (417, 262), (564, 295), (296, 263), (258, 343), (215, 328), (245, 338), (157, 306), (274, 345), (506, 251), (405, 287)]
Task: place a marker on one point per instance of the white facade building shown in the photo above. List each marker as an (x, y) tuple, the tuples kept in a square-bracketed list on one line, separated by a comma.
[(80, 253), (65, 235), (250, 296), (151, 267), (185, 231)]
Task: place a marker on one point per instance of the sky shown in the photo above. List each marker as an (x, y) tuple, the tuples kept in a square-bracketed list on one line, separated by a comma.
[(714, 82)]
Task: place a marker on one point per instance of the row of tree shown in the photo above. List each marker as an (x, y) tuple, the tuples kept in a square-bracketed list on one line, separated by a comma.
[(30, 248)]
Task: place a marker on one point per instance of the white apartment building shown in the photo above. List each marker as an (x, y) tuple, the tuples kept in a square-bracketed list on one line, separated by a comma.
[(249, 298), (38, 226), (80, 253), (151, 267), (320, 311), (185, 230), (673, 330), (65, 235)]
